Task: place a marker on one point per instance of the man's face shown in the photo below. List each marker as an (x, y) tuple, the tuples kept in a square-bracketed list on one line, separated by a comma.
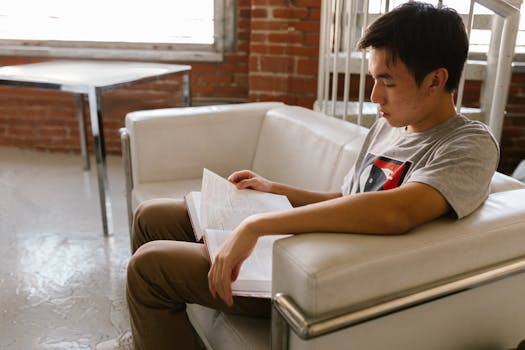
[(400, 100)]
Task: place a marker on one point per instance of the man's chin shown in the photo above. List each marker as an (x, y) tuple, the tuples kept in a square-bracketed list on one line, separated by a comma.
[(395, 123)]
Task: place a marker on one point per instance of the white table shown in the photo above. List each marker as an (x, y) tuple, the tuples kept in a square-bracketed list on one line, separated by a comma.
[(91, 79)]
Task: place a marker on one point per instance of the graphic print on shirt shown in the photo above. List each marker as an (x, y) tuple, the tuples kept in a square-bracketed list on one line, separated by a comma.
[(382, 173)]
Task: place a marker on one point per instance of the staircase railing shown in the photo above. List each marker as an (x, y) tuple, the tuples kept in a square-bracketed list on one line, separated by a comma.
[(342, 24)]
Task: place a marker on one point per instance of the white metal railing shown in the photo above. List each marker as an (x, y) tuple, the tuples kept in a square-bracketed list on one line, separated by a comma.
[(342, 23)]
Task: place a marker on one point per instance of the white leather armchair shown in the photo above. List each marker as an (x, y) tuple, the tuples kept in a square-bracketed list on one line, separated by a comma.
[(450, 284)]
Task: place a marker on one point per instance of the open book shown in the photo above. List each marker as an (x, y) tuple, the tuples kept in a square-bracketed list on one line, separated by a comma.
[(217, 210)]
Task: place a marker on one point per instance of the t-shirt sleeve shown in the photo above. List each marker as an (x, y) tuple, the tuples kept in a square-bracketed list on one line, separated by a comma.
[(461, 170)]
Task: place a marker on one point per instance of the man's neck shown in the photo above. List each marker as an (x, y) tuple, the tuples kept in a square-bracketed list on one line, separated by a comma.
[(442, 110)]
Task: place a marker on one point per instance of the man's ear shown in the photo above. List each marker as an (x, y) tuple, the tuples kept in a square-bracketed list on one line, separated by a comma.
[(437, 80)]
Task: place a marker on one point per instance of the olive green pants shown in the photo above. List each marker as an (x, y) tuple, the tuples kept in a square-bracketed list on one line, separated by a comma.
[(167, 270)]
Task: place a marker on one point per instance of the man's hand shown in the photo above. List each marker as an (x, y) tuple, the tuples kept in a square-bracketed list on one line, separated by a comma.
[(227, 264), (248, 179)]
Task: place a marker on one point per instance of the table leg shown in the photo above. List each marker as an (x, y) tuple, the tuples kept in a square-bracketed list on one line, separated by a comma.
[(186, 89), (82, 130), (95, 111)]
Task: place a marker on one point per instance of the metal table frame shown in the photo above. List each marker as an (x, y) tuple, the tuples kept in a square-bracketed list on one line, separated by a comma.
[(92, 79)]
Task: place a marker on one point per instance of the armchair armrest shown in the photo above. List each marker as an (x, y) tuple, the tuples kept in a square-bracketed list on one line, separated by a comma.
[(290, 315), (126, 164), (324, 282), (176, 143)]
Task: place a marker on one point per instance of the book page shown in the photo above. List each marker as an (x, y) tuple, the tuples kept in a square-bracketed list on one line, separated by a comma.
[(193, 202), (223, 206), (218, 210)]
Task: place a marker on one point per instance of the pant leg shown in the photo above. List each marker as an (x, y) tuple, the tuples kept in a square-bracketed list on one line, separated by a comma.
[(167, 271), (161, 219)]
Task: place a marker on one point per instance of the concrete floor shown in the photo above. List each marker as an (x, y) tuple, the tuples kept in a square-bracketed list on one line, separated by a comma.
[(61, 282)]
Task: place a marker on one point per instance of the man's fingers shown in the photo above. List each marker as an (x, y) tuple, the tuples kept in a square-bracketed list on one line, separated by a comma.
[(211, 286), (225, 287), (219, 281), (240, 175), (246, 183)]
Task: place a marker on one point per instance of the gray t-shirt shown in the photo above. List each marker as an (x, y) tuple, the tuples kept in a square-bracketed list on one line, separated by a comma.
[(457, 157)]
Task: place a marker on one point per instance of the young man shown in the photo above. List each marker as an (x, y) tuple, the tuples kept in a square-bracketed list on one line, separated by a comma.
[(441, 164)]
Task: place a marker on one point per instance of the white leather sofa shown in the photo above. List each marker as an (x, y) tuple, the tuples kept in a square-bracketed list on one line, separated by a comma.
[(448, 284)]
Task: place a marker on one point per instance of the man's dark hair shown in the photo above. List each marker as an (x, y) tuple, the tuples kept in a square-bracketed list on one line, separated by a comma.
[(423, 37)]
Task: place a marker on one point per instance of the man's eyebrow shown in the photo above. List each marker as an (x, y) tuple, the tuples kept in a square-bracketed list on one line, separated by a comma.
[(382, 76)]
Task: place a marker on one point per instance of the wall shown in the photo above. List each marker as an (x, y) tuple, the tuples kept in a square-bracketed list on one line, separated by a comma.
[(275, 59)]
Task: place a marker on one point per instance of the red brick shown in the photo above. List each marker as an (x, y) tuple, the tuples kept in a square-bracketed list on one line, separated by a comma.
[(259, 37), (268, 83), (307, 67), (307, 26), (315, 13), (269, 25), (243, 46), (202, 90), (307, 3), (259, 13), (306, 101), (311, 39), (303, 85), (268, 50), (286, 38), (276, 64), (218, 79), (277, 97), (312, 51), (21, 131), (206, 67), (295, 13), (254, 63), (244, 13), (268, 2), (52, 131), (231, 91)]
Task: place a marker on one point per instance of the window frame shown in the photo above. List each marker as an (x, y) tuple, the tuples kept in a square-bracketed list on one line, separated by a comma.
[(224, 29)]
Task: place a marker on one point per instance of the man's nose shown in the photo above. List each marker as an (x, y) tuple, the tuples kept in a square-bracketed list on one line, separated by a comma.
[(377, 95)]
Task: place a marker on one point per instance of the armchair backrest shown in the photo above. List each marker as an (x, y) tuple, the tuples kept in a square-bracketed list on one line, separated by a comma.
[(175, 143), (304, 148)]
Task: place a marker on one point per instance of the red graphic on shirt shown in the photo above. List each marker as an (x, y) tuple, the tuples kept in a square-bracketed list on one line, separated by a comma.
[(382, 173), (394, 172)]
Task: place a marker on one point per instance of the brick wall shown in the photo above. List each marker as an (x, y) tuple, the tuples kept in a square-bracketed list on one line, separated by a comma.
[(284, 49), (275, 58)]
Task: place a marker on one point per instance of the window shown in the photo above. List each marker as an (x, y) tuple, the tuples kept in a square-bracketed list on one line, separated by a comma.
[(118, 29)]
